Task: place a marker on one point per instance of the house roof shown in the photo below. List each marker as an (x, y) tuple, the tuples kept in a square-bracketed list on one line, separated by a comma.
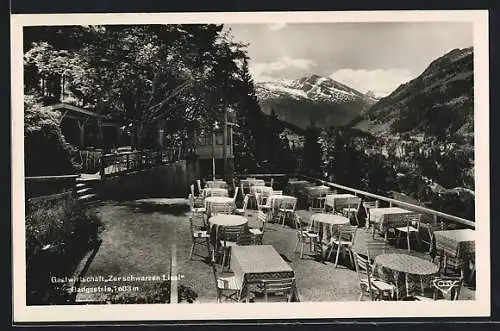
[(79, 113)]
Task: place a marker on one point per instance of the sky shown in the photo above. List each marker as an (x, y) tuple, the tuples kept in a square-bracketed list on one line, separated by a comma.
[(372, 56)]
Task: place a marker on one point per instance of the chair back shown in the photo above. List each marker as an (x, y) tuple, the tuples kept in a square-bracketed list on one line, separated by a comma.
[(281, 288), (192, 189), (245, 239), (220, 208), (363, 269), (198, 183), (235, 193), (280, 192), (262, 217), (242, 189), (288, 204), (347, 234), (217, 192), (369, 205), (194, 227), (231, 233), (272, 182), (245, 202), (448, 286), (426, 236)]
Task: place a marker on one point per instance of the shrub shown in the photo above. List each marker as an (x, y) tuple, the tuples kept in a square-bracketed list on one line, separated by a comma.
[(58, 234)]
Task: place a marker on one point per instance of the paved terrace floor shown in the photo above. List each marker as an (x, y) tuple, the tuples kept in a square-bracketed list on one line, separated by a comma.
[(138, 239)]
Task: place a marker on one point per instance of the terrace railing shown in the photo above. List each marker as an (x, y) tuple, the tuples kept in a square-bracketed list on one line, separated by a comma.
[(439, 218), (124, 162)]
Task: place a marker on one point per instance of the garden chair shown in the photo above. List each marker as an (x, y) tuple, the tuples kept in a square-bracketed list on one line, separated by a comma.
[(198, 201), (287, 206), (199, 237), (198, 183), (344, 242), (258, 233), (355, 213), (230, 236), (371, 286), (243, 211), (426, 239), (260, 205), (229, 288), (272, 182), (412, 227), (196, 211), (369, 205), (220, 208), (278, 289), (235, 193), (304, 237)]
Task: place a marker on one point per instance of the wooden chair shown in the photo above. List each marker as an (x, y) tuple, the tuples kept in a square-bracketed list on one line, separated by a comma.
[(370, 286), (198, 183), (243, 211), (220, 208), (369, 205), (260, 205), (196, 211), (287, 206), (278, 289), (198, 237), (344, 242), (229, 288), (230, 237), (198, 201), (426, 238), (354, 213), (304, 237), (412, 227), (235, 193), (258, 233)]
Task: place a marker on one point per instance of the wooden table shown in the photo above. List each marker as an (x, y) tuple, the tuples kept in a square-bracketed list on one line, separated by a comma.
[(386, 218), (256, 263), (326, 224), (338, 201), (207, 192), (407, 264), (216, 184)]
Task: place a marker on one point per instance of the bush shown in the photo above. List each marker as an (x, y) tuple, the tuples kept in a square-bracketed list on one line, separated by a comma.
[(58, 234)]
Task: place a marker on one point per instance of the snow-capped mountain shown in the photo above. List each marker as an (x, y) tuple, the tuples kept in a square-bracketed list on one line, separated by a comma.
[(313, 98)]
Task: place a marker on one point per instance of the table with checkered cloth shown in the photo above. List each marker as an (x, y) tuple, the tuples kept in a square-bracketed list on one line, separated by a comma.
[(326, 225), (256, 263), (264, 190), (252, 182), (456, 243), (414, 268), (209, 190), (217, 222), (316, 191), (391, 217), (216, 184), (339, 201), (274, 201)]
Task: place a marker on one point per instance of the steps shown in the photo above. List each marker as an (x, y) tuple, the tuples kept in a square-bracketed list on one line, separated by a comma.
[(86, 189)]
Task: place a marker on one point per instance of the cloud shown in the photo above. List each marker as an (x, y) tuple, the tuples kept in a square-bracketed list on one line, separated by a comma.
[(380, 81), (263, 71), (277, 26)]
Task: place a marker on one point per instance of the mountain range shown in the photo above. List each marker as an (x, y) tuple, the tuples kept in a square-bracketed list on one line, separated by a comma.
[(439, 101), (312, 98)]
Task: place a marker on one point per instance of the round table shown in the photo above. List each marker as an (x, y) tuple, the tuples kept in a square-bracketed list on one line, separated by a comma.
[(210, 190), (328, 222), (406, 264)]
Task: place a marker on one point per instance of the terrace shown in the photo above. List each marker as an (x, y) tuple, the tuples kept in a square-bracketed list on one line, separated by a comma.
[(153, 238)]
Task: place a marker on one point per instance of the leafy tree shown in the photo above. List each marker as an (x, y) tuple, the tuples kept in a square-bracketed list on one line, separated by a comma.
[(312, 150)]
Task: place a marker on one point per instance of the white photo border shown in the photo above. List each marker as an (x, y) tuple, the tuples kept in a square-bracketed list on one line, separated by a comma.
[(481, 307)]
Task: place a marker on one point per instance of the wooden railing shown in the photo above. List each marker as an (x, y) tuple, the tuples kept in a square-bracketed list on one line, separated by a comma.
[(439, 217), (125, 162)]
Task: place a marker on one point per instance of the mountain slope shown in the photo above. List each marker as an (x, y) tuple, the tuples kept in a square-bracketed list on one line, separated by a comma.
[(438, 102), (312, 98)]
